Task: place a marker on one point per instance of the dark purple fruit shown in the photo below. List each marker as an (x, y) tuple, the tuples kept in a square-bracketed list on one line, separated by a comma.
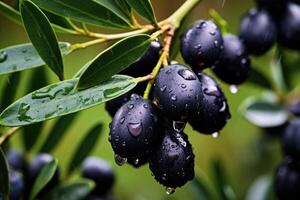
[(294, 108), (172, 162), (275, 7), (134, 129), (16, 160), (287, 181), (16, 184), (233, 66), (289, 27), (201, 44), (213, 113), (177, 92), (101, 172), (258, 31), (291, 139), (145, 64), (138, 161)]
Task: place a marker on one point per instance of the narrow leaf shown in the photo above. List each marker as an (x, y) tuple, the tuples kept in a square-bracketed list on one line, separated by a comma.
[(32, 132), (85, 147), (43, 178), (10, 90), (113, 60), (76, 190), (263, 113), (42, 36), (259, 79), (23, 57), (222, 185), (260, 189), (277, 75), (88, 12), (144, 9), (57, 132), (4, 180), (201, 190), (61, 99), (115, 7), (10, 13), (58, 20)]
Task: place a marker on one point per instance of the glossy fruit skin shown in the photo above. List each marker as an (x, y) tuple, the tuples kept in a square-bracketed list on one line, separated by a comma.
[(214, 112), (233, 66), (177, 92), (275, 7), (16, 183), (34, 169), (258, 31), (16, 160), (289, 27), (101, 172), (201, 44), (135, 128), (287, 180), (291, 139), (172, 162), (145, 64), (294, 108)]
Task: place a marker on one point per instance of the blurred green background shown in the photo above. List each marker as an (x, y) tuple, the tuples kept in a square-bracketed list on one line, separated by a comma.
[(243, 149)]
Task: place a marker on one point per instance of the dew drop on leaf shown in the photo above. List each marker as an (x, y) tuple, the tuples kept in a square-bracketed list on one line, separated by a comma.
[(233, 89), (119, 160), (170, 190), (3, 56)]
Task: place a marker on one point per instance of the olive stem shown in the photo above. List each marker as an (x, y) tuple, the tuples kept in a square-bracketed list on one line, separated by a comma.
[(222, 23), (8, 134)]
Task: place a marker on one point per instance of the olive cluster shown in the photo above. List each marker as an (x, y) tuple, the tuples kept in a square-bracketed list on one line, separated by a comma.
[(22, 176), (152, 131)]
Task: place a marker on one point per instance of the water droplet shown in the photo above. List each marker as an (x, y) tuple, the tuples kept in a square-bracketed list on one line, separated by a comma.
[(3, 56), (199, 53), (244, 61), (216, 43), (119, 160), (135, 129), (24, 51), (170, 190), (183, 85), (187, 74), (130, 106), (233, 89), (173, 97), (181, 141), (136, 161), (212, 33), (198, 46), (178, 126), (145, 106), (215, 135), (24, 108), (223, 108), (27, 58), (163, 88), (212, 90), (122, 120)]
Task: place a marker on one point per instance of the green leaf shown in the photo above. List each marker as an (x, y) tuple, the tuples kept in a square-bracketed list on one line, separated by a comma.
[(32, 132), (85, 147), (4, 179), (115, 7), (59, 20), (10, 90), (57, 132), (88, 12), (201, 189), (61, 99), (263, 113), (23, 57), (277, 75), (144, 9), (15, 16), (77, 190), (10, 13), (259, 79), (224, 188), (42, 36), (43, 178), (261, 189), (113, 60)]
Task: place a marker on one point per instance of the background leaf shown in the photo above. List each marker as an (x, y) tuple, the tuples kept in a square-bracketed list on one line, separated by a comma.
[(32, 132), (113, 60), (4, 180), (259, 79), (57, 132), (24, 56), (144, 9), (10, 90), (77, 190), (89, 12), (85, 147), (10, 13), (62, 99), (42, 36), (261, 189), (43, 178), (264, 113), (201, 189)]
